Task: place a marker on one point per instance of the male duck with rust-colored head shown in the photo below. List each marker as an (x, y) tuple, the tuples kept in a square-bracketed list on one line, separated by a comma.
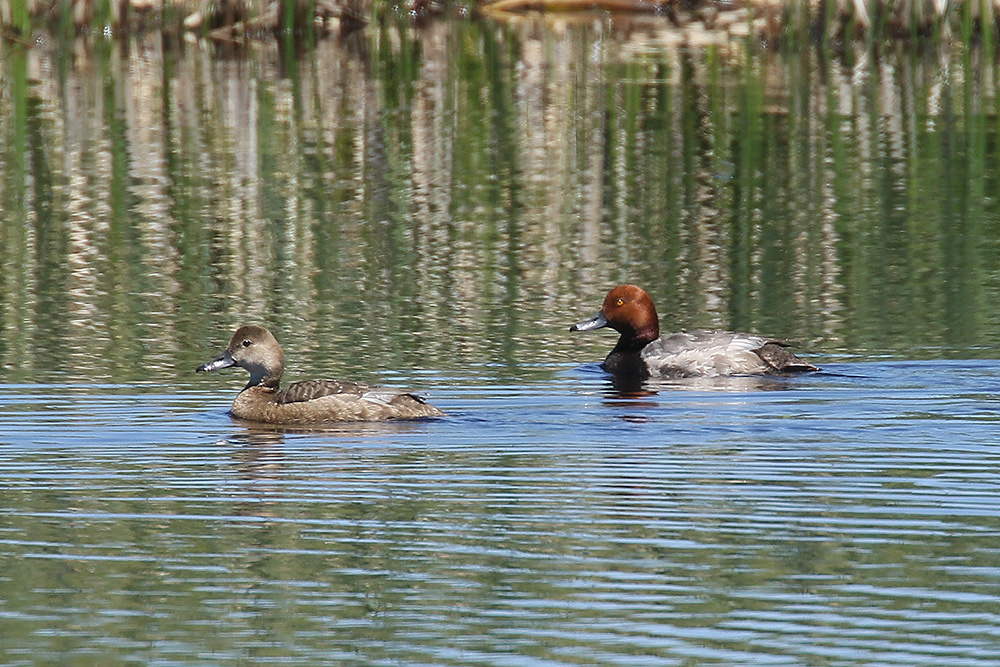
[(254, 349), (641, 353)]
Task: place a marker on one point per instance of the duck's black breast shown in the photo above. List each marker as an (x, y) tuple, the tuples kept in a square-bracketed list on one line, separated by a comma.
[(626, 364), (309, 390)]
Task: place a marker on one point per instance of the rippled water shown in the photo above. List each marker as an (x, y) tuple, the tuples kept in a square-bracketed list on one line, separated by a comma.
[(843, 518), (431, 205)]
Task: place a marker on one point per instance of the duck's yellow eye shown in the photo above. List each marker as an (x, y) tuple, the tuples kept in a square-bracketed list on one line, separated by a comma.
[(620, 302)]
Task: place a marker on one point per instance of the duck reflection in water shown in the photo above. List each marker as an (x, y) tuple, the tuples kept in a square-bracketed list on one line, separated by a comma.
[(633, 393)]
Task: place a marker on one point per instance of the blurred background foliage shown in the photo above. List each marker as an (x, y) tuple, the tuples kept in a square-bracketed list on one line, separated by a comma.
[(449, 192)]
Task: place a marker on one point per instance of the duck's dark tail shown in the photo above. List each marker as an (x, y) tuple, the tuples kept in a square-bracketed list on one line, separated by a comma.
[(777, 355)]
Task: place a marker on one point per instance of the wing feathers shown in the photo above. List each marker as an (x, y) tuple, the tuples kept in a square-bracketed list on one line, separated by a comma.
[(309, 390)]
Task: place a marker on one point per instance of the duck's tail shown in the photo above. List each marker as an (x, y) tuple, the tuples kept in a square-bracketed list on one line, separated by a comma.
[(777, 355)]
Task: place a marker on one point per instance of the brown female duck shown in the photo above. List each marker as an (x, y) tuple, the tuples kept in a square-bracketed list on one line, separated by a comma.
[(254, 349), (641, 352)]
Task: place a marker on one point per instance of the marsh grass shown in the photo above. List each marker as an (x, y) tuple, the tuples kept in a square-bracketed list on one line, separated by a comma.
[(773, 22)]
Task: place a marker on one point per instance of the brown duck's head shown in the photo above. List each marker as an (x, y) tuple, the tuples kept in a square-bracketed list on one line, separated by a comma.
[(629, 310), (254, 349)]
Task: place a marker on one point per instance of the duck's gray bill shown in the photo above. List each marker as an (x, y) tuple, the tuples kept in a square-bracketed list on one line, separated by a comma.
[(224, 360), (595, 322)]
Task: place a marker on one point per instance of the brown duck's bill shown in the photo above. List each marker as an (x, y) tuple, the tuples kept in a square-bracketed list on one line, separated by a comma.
[(224, 360), (595, 322)]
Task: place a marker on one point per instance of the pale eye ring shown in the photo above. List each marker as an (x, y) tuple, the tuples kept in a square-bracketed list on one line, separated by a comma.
[(246, 342)]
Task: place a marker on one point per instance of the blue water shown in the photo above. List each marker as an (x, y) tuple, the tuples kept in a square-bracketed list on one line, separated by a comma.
[(847, 517)]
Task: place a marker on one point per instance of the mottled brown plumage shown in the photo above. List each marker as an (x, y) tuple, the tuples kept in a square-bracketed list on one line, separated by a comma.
[(254, 349)]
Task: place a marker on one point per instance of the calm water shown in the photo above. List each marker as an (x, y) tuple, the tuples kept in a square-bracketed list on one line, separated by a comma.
[(432, 207), (846, 518)]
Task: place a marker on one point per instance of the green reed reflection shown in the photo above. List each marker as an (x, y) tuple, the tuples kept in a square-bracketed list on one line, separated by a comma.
[(398, 556), (457, 194)]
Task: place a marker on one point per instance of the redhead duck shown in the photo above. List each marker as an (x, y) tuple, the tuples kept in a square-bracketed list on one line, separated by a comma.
[(311, 402), (641, 353)]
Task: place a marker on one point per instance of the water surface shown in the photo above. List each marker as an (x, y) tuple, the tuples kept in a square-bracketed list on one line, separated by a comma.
[(847, 517), (432, 207)]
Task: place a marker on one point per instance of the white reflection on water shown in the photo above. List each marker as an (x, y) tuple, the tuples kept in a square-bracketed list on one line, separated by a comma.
[(489, 179), (848, 516)]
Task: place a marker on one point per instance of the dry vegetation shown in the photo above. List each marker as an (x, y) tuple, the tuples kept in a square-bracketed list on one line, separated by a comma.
[(241, 19)]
